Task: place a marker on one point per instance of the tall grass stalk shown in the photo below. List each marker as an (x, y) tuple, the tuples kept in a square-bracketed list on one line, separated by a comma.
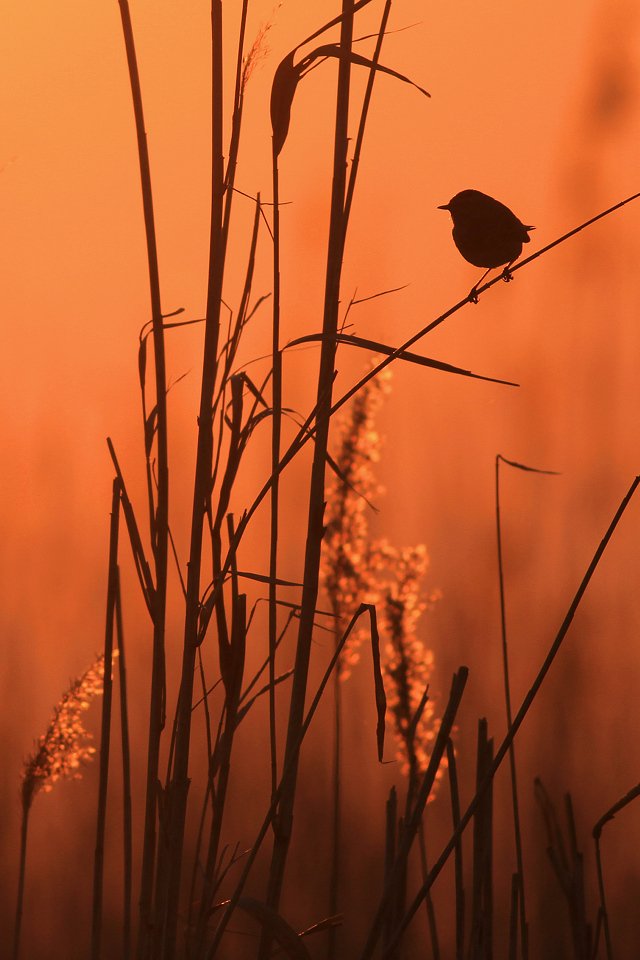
[(521, 899), (158, 511), (315, 527), (276, 432), (127, 811), (221, 185), (105, 730), (458, 860), (17, 928), (336, 841), (481, 935)]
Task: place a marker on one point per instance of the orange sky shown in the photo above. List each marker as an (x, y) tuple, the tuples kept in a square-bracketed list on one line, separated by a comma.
[(535, 105)]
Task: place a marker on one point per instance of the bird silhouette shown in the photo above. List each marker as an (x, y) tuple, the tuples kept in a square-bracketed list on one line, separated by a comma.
[(486, 233)]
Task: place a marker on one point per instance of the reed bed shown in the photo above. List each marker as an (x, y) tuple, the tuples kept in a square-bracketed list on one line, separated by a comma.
[(189, 896)]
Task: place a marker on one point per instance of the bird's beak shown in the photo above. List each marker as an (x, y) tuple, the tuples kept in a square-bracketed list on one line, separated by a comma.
[(445, 206)]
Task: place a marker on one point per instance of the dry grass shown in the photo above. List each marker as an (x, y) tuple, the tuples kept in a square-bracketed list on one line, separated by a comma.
[(188, 896)]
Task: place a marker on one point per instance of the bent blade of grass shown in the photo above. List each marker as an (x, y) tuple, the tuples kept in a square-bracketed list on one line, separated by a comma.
[(521, 900), (607, 817), (140, 561), (400, 354)]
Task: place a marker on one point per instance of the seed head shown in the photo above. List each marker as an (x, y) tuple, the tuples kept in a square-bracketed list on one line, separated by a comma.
[(66, 746)]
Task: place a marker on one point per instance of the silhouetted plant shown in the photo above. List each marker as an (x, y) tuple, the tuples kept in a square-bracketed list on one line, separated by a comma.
[(60, 754)]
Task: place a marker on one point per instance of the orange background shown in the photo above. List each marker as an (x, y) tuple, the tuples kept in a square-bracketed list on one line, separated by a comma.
[(536, 106)]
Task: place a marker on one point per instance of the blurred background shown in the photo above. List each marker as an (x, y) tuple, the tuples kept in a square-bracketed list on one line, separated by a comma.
[(538, 106)]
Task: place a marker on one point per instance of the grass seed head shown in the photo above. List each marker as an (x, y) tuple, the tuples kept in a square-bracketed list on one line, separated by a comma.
[(64, 748)]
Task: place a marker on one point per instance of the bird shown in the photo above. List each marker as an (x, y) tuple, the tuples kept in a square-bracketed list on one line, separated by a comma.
[(486, 232)]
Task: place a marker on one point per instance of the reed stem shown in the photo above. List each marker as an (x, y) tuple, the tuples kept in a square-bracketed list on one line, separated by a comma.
[(158, 513), (24, 829), (105, 735), (315, 526)]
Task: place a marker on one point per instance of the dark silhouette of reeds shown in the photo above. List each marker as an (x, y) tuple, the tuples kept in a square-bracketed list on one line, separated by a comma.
[(186, 897)]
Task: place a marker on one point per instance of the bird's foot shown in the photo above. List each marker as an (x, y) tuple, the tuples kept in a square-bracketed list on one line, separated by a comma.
[(507, 276), (473, 295)]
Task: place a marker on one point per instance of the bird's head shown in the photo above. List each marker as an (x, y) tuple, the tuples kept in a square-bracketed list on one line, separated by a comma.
[(464, 202)]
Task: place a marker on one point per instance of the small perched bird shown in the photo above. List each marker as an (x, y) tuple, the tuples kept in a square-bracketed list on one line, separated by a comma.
[(486, 233)]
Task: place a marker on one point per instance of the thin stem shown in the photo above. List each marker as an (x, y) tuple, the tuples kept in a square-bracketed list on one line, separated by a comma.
[(459, 872), (179, 785), (364, 113), (512, 952), (196, 867), (105, 732), (336, 810), (233, 681), (603, 902), (21, 878), (160, 518), (315, 527), (126, 779), (429, 905), (512, 753), (276, 431)]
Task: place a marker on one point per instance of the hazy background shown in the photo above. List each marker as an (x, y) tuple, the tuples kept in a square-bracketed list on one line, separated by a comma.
[(538, 106)]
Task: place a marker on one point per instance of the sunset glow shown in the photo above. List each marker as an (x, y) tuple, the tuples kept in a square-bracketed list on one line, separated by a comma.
[(536, 106)]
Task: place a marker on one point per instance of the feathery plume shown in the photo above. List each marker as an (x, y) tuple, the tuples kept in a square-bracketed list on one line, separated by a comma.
[(349, 565), (356, 569), (259, 49), (66, 745), (409, 662)]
